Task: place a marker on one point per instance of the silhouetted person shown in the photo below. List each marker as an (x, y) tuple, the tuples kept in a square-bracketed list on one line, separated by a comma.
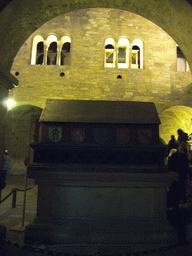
[(172, 144), (182, 136), (179, 162), (5, 168)]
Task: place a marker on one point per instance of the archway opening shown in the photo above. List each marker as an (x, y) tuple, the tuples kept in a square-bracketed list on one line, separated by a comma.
[(174, 118)]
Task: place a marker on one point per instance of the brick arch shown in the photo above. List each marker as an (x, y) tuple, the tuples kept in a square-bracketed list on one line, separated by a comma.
[(17, 24)]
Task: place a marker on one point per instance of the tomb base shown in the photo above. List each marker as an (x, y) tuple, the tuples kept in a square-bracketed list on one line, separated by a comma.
[(105, 210)]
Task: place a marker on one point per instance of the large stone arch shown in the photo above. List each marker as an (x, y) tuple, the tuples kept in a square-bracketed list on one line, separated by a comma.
[(22, 17)]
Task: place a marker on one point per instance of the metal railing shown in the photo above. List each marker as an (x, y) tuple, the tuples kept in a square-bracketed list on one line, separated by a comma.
[(14, 197)]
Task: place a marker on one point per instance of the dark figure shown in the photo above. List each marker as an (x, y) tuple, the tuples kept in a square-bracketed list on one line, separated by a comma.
[(179, 162), (5, 168), (172, 144), (182, 136)]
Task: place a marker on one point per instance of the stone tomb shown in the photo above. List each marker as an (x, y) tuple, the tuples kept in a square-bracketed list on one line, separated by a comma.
[(101, 178)]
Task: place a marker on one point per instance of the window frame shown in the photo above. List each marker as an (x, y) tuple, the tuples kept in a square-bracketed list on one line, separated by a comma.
[(139, 56), (110, 41), (36, 40), (64, 40), (51, 39), (182, 63), (123, 42)]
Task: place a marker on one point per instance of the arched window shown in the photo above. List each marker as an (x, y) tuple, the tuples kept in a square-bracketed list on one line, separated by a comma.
[(135, 57), (182, 64), (110, 53), (52, 50), (123, 56), (37, 50), (137, 54), (65, 50), (40, 53)]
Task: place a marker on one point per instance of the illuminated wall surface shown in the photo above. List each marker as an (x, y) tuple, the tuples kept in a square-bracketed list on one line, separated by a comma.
[(174, 118), (86, 76)]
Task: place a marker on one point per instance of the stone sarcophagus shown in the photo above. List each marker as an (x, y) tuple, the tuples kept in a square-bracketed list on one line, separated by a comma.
[(101, 178), (99, 132)]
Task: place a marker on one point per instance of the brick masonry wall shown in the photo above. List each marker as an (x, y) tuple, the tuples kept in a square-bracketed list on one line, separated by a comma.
[(86, 77)]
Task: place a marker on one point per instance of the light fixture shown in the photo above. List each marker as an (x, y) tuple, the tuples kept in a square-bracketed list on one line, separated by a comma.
[(10, 103)]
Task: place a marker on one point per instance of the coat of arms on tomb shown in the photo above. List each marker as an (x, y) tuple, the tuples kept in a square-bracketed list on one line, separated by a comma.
[(123, 135), (77, 134), (145, 136), (55, 133)]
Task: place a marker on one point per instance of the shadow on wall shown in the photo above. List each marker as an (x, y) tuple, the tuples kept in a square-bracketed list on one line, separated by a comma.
[(18, 135), (174, 118)]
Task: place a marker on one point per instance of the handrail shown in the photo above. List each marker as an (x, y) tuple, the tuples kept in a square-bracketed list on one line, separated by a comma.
[(14, 191)]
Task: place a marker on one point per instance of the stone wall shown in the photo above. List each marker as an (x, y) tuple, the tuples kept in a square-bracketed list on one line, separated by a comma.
[(18, 125), (87, 78)]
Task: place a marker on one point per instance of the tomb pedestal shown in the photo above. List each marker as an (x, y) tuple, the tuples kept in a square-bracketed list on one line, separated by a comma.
[(100, 210)]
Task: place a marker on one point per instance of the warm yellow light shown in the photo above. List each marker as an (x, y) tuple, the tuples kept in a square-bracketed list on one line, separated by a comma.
[(10, 103)]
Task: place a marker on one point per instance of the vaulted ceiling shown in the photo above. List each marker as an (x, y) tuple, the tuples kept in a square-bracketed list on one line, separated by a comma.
[(4, 3)]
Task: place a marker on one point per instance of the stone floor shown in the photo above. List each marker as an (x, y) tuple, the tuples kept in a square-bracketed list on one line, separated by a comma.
[(13, 220)]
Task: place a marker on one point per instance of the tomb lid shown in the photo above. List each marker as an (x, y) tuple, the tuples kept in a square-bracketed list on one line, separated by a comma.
[(90, 111)]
